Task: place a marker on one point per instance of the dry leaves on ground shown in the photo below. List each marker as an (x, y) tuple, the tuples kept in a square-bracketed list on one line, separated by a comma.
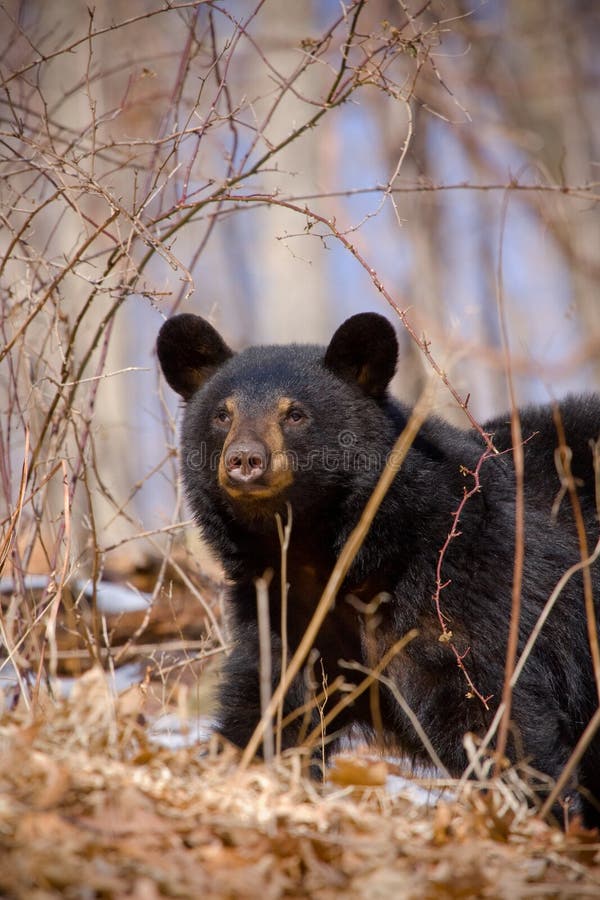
[(89, 808)]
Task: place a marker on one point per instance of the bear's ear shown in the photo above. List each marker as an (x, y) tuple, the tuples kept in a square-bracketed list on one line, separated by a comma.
[(189, 350), (364, 350)]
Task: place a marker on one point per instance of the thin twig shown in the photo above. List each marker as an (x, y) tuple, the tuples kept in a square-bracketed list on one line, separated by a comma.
[(519, 536)]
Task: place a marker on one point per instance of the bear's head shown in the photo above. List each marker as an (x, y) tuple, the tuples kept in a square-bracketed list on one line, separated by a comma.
[(278, 423)]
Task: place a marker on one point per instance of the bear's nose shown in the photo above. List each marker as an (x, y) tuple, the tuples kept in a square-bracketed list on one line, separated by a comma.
[(245, 461)]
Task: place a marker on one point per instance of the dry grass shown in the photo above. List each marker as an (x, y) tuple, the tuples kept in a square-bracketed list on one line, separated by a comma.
[(91, 808)]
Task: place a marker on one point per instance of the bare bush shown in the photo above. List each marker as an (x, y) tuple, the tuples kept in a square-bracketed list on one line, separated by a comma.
[(273, 166)]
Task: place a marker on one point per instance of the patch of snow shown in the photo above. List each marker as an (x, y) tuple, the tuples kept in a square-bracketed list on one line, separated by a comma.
[(170, 730)]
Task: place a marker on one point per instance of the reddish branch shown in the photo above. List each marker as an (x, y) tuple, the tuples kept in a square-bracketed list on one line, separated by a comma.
[(446, 635)]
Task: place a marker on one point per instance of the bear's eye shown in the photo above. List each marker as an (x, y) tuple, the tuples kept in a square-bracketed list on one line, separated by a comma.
[(222, 417), (295, 415)]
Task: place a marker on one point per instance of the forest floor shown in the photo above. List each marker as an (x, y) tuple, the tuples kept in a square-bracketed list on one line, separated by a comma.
[(92, 805)]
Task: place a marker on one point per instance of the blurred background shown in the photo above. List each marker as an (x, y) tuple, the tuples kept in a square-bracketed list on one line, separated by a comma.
[(264, 164)]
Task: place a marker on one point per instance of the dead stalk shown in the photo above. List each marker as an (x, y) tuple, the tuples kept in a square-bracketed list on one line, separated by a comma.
[(572, 763), (284, 533), (568, 485), (59, 582), (519, 536), (489, 736), (349, 551), (266, 662)]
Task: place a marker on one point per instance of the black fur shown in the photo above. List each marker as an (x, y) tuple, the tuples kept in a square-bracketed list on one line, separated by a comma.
[(338, 450)]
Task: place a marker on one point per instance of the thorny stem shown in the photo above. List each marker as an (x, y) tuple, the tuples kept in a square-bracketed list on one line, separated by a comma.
[(446, 635)]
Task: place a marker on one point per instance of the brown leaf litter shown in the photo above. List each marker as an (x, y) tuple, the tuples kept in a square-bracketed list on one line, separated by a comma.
[(90, 809)]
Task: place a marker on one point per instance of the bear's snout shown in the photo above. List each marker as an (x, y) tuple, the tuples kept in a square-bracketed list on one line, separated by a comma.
[(246, 461)]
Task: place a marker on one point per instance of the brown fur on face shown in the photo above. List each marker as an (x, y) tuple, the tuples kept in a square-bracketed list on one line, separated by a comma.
[(266, 429)]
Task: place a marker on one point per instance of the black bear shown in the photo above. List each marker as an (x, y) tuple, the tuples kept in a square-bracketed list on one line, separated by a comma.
[(579, 418), (311, 427)]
